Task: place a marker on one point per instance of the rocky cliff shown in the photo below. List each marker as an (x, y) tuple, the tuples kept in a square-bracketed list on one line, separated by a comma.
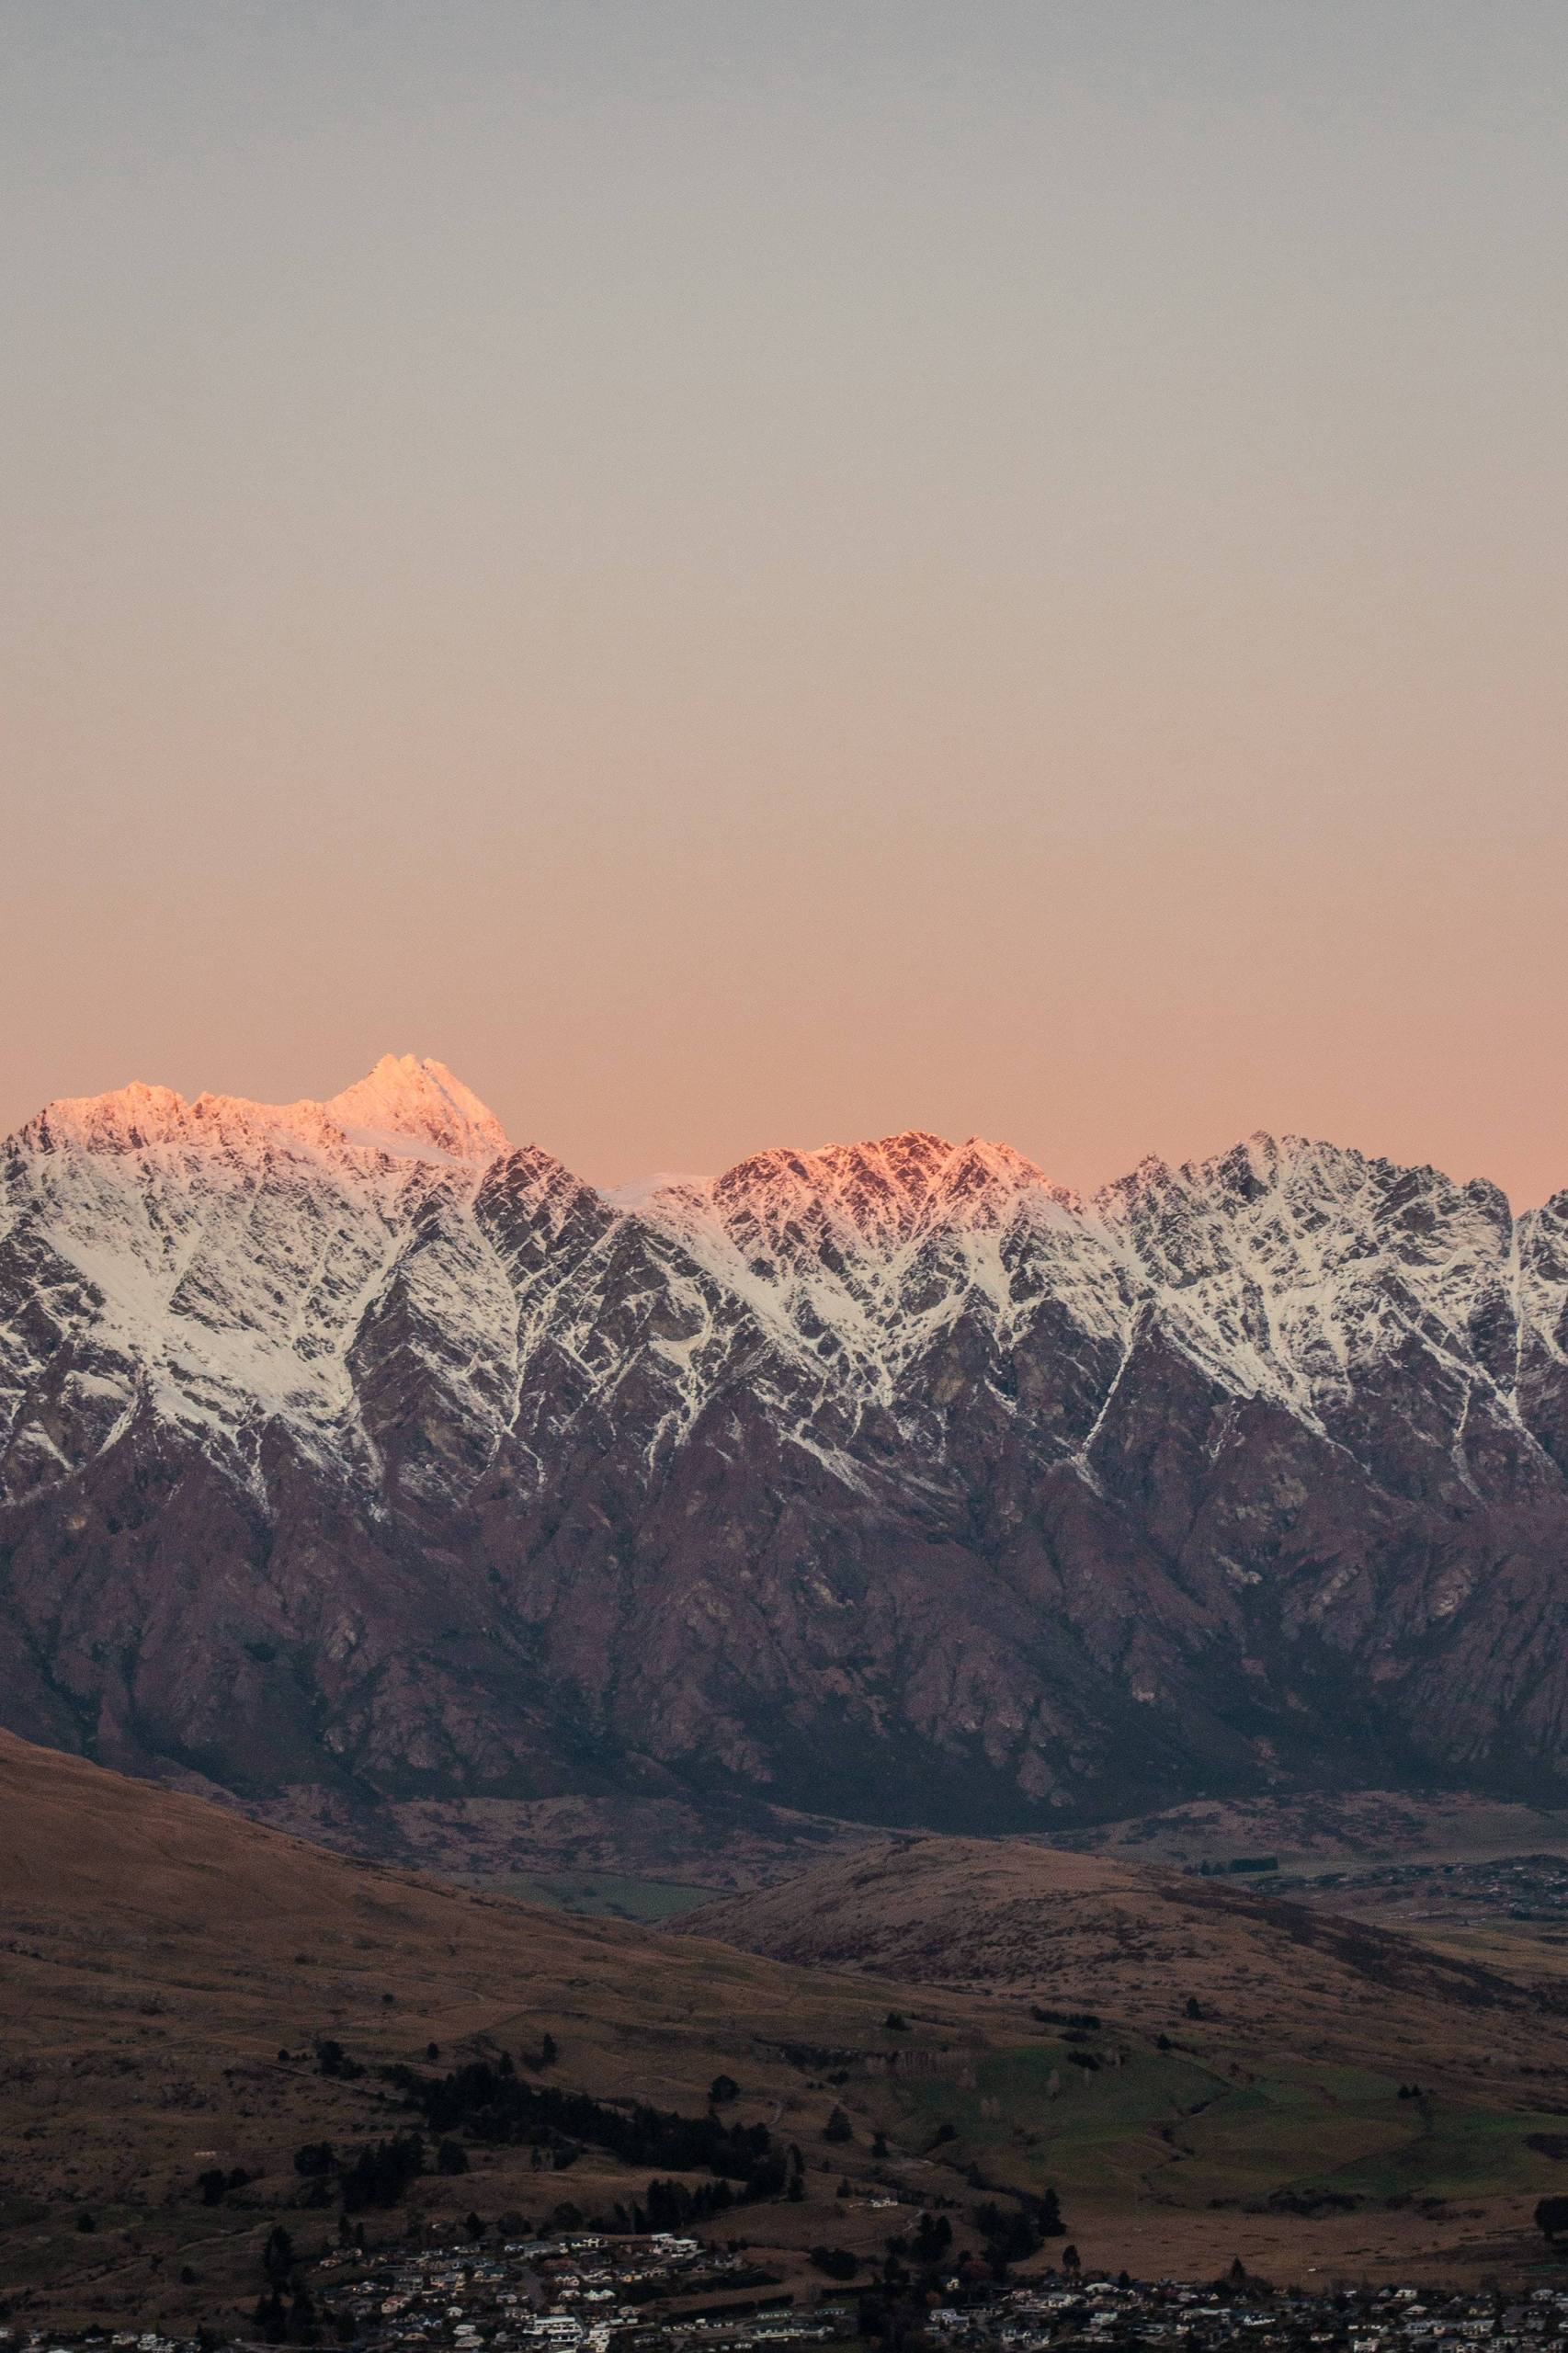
[(345, 1441)]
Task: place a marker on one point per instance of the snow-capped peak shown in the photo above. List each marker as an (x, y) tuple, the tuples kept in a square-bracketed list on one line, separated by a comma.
[(641, 1190), (410, 1101), (405, 1110)]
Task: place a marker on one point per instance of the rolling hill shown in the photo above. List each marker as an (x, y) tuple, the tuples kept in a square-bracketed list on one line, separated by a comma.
[(1216, 2064), (1090, 1932), (186, 1995), (169, 1973)]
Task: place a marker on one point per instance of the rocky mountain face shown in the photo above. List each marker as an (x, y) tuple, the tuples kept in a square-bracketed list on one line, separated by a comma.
[(344, 1442)]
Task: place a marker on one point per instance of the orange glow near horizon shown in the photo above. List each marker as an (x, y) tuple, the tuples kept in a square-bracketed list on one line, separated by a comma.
[(748, 575)]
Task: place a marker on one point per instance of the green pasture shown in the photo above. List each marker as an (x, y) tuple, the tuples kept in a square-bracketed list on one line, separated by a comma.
[(596, 1895), (1184, 2130)]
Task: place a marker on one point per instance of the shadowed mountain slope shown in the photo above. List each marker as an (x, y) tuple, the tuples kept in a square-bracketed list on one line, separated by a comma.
[(342, 1443)]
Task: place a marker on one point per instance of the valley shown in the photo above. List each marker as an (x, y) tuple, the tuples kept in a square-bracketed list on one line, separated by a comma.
[(191, 2005)]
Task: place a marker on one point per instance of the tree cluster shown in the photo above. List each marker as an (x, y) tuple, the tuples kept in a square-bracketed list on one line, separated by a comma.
[(489, 2102)]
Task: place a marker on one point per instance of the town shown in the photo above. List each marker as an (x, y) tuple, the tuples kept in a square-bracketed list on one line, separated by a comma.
[(587, 2292)]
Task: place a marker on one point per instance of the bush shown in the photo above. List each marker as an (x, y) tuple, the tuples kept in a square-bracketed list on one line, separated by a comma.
[(1010, 2236), (381, 2172), (835, 2261), (215, 2185), (1552, 2218), (671, 2206), (332, 2060), (933, 2237), (494, 2105)]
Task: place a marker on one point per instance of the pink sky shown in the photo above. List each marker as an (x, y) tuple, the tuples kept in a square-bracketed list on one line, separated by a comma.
[(747, 574)]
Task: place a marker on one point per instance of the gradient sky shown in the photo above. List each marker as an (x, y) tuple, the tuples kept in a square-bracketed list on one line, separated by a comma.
[(748, 573)]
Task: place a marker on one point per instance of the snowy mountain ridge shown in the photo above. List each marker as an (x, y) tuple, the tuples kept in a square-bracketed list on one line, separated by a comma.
[(371, 1330), (227, 1253)]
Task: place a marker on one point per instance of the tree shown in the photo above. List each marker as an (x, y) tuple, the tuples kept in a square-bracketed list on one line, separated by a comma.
[(838, 2127), (304, 2328), (933, 2237), (722, 2090), (835, 2261), (381, 2172), (270, 2319), (278, 2254), (1552, 2218), (1010, 2235), (896, 2023)]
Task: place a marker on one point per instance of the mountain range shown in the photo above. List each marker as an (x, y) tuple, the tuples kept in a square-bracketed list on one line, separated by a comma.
[(343, 1443)]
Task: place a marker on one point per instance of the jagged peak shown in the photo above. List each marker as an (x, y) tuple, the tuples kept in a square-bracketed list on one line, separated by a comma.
[(1152, 1175), (411, 1098), (985, 1179), (123, 1118), (664, 1184), (405, 1108), (885, 1188)]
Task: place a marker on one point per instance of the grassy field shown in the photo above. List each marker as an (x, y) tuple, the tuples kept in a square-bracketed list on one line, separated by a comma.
[(1171, 2126), (593, 1896), (1363, 1830), (166, 2004)]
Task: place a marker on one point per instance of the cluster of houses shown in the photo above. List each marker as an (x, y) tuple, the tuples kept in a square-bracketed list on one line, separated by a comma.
[(1061, 2313), (664, 2293), (1515, 1887), (580, 2293), (668, 2294)]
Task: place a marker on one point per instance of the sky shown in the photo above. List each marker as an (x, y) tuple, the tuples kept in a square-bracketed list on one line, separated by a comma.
[(757, 573)]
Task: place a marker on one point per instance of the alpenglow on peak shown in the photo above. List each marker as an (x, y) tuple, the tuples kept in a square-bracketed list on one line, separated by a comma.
[(410, 1096)]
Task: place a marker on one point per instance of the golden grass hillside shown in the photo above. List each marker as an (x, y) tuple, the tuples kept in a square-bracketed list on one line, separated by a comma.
[(1141, 1944), (1313, 2092), (157, 1955)]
